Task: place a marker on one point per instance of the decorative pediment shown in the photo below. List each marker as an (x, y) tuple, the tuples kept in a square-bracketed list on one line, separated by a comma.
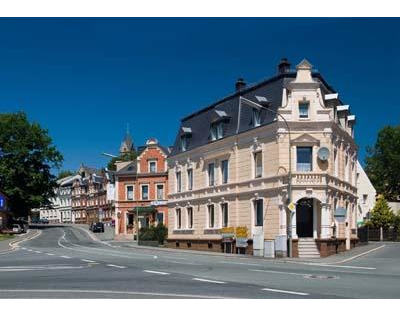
[(305, 139)]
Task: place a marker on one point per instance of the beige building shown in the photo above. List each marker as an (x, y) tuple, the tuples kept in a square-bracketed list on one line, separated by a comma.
[(229, 171), (366, 196)]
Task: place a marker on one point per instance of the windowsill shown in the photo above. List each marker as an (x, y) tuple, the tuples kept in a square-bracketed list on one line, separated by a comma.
[(304, 119), (183, 231)]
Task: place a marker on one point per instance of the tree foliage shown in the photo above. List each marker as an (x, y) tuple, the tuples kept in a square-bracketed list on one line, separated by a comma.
[(64, 173), (383, 162), (27, 156), (129, 156), (154, 233), (382, 215)]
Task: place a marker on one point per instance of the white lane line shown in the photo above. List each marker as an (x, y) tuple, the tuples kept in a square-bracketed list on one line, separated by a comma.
[(362, 254), (281, 272), (37, 251), (285, 292), (102, 292), (86, 260), (184, 263), (23, 248), (175, 258), (50, 254), (156, 272), (30, 250), (330, 265), (241, 263), (209, 281), (115, 266), (65, 257)]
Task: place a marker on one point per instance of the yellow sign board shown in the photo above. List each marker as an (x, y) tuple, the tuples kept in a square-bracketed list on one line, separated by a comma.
[(228, 230), (241, 232), (292, 206)]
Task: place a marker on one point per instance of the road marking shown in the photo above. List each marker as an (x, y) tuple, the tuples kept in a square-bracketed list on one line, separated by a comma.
[(23, 248), (115, 266), (50, 254), (156, 272), (329, 265), (241, 263), (37, 251), (65, 257), (116, 293), (280, 272), (86, 260), (208, 281), (184, 263), (361, 254), (30, 250), (285, 292)]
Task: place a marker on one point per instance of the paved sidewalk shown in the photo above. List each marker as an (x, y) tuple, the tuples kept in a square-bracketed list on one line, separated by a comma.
[(338, 258), (7, 245)]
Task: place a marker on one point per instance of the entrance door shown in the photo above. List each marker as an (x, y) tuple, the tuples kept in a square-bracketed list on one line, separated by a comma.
[(304, 218)]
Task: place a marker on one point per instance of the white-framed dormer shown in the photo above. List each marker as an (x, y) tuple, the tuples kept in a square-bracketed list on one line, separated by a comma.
[(152, 166)]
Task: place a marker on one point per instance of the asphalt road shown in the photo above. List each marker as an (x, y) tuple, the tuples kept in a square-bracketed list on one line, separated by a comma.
[(64, 262)]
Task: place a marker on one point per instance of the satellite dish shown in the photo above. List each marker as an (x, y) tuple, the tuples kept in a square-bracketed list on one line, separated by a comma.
[(324, 154)]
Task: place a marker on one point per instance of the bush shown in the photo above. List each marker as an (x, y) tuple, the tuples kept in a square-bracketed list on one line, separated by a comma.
[(154, 233)]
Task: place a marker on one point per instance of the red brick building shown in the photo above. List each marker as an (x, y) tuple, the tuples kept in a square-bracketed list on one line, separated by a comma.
[(141, 186)]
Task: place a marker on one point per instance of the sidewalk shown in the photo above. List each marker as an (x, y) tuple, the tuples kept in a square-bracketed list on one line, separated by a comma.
[(341, 257), (9, 244)]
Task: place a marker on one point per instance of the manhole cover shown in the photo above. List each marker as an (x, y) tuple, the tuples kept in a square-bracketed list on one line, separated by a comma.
[(321, 277)]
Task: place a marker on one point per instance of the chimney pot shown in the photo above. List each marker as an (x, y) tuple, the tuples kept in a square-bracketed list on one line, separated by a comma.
[(284, 66), (240, 84)]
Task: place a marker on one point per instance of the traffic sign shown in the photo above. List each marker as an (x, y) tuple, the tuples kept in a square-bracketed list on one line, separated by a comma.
[(292, 206)]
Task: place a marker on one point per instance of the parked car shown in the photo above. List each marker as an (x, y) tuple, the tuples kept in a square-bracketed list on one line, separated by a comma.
[(97, 227), (44, 221), (17, 229)]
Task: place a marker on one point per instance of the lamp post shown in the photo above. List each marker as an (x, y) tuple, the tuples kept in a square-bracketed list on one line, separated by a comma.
[(263, 104), (137, 225)]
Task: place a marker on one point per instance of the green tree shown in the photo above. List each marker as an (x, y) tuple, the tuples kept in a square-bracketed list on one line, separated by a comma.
[(129, 156), (382, 215), (27, 156), (64, 173), (383, 162)]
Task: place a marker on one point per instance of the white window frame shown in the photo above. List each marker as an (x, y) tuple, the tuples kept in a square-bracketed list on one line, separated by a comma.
[(189, 179), (188, 217), (141, 192), (255, 203), (227, 171), (213, 174), (217, 130), (222, 214), (178, 181), (163, 191), (183, 143), (149, 162), (302, 103), (256, 173), (209, 218), (178, 219), (126, 192), (256, 117)]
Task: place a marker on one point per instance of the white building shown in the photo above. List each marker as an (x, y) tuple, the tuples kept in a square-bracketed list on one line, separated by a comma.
[(366, 195), (60, 210)]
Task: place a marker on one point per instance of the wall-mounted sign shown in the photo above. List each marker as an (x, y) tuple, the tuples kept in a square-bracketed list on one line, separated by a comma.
[(241, 242), (241, 232)]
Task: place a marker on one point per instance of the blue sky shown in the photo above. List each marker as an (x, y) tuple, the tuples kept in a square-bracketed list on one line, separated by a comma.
[(86, 79)]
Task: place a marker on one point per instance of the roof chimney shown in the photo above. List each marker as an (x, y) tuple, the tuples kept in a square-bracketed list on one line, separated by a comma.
[(284, 66), (240, 85)]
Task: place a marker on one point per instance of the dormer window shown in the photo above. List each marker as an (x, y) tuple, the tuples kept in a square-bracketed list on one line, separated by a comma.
[(256, 117), (304, 110), (217, 131), (183, 143)]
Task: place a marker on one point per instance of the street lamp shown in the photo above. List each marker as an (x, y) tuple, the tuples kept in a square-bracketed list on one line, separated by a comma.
[(263, 103)]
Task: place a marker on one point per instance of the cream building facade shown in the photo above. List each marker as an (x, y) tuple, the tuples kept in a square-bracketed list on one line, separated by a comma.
[(229, 170), (366, 196)]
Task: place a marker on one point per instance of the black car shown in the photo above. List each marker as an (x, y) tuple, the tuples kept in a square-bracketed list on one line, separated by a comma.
[(97, 227)]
